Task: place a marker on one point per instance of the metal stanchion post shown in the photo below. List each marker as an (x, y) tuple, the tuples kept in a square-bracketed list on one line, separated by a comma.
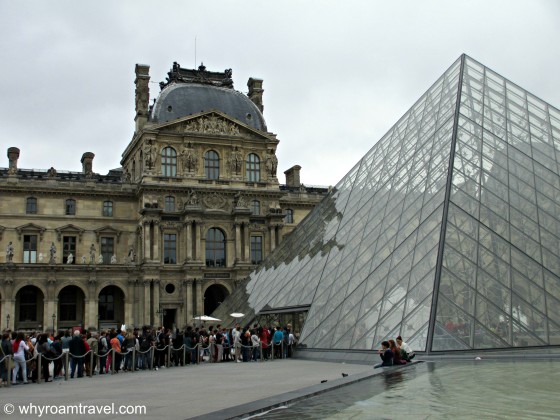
[(133, 368), (184, 355), (113, 355), (39, 361), (168, 355), (90, 363), (152, 357), (66, 365)]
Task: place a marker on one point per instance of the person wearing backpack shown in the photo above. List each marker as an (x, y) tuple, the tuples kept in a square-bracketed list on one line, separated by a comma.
[(102, 348)]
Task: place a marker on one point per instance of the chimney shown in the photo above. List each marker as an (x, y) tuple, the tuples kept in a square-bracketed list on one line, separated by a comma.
[(142, 95), (292, 177), (256, 92), (87, 163), (13, 156)]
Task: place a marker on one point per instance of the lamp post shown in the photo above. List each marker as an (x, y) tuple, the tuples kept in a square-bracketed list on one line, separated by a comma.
[(8, 321), (161, 314), (53, 318)]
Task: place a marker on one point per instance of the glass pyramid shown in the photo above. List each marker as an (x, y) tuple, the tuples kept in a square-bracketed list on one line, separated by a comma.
[(447, 231)]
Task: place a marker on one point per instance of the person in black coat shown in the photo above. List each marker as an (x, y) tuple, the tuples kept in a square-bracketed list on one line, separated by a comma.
[(77, 350)]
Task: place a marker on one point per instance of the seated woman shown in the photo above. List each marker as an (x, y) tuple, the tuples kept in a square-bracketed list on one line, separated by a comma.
[(386, 355), (397, 355), (405, 348)]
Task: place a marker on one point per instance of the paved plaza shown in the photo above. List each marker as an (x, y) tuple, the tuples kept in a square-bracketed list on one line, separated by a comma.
[(183, 392)]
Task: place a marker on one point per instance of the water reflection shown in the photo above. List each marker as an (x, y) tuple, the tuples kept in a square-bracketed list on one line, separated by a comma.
[(442, 390)]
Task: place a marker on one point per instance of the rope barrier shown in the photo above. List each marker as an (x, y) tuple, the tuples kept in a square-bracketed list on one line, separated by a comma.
[(190, 355)]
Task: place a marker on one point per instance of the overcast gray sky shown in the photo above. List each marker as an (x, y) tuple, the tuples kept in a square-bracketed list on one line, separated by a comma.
[(337, 74)]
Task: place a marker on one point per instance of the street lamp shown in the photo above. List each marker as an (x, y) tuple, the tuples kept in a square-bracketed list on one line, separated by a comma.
[(161, 313), (8, 321), (53, 318)]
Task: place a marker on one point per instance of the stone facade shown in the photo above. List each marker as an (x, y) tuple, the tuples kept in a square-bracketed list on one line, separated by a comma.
[(194, 208)]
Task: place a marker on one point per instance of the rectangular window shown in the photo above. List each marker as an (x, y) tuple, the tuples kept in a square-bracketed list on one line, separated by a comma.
[(108, 209), (256, 249), (68, 247), (30, 249), (106, 307), (107, 249), (169, 248), (31, 206), (70, 207)]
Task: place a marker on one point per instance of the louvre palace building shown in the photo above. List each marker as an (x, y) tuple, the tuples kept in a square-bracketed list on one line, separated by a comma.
[(194, 208)]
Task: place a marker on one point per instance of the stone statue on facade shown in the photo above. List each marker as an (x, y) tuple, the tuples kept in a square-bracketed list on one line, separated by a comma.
[(92, 254), (235, 161), (100, 259), (150, 155), (239, 201), (192, 199), (9, 252), (70, 259), (131, 254), (52, 252), (271, 163), (51, 173), (190, 159), (83, 259), (113, 259)]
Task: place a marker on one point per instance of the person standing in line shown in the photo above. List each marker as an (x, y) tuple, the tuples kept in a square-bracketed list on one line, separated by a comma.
[(77, 349), (19, 349)]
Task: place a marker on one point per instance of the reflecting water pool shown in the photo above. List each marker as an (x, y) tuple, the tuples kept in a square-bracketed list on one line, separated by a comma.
[(442, 390)]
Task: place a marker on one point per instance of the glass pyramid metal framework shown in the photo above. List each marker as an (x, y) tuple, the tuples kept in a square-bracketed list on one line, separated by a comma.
[(447, 231)]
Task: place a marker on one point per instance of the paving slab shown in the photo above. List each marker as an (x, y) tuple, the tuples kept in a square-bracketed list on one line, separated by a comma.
[(174, 393)]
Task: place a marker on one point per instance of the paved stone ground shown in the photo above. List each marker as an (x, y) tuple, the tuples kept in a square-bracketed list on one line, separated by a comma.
[(179, 392)]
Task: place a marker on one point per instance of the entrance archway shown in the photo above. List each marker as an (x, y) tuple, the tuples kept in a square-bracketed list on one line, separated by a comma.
[(71, 307), (213, 297), (29, 309), (110, 308)]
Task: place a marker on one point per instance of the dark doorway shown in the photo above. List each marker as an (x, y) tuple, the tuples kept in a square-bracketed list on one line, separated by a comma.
[(213, 297), (169, 318)]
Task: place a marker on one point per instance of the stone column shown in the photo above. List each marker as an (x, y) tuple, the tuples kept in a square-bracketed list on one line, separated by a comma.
[(157, 241), (199, 232), (147, 303), (129, 303), (199, 297), (147, 234), (189, 300), (155, 306), (272, 237), (189, 246), (238, 256), (247, 249)]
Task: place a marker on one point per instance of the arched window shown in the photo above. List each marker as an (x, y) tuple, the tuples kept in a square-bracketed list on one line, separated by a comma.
[(211, 165), (215, 248), (108, 208), (256, 207), (169, 162), (169, 203), (289, 218), (70, 207), (253, 168), (31, 206)]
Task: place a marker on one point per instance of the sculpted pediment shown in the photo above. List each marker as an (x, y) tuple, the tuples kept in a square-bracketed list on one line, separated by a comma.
[(69, 230), (107, 231), (212, 123), (31, 228)]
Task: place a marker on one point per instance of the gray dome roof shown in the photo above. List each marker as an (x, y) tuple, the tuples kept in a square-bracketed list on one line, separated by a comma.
[(181, 99)]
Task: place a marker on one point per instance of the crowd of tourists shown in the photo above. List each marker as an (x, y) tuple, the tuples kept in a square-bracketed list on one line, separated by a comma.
[(28, 358), (395, 352)]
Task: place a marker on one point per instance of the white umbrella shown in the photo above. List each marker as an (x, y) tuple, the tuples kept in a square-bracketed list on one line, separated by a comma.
[(237, 315), (206, 318)]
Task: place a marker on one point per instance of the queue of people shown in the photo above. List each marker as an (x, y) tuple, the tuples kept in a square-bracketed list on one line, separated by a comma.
[(395, 352), (117, 351)]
